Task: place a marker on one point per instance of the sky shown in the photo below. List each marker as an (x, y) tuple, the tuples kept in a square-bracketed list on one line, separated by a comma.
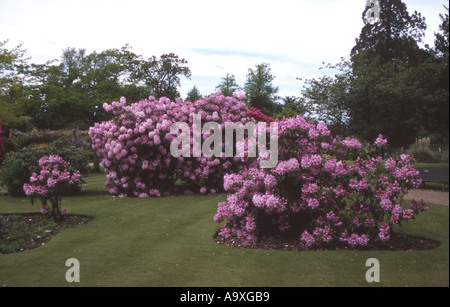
[(216, 37)]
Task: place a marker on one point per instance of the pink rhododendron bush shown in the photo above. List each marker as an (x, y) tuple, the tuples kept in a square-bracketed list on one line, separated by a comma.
[(135, 146), (315, 196), (50, 184)]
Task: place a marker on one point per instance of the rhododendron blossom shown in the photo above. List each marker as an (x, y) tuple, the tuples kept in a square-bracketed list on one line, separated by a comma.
[(138, 142), (314, 193)]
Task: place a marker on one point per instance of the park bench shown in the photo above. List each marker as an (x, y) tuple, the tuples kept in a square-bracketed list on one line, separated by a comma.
[(434, 175)]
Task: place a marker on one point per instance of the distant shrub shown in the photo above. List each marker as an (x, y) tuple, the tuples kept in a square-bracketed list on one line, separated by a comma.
[(424, 152), (18, 167), (72, 137)]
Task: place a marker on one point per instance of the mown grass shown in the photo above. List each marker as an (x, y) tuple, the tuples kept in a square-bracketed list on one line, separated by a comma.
[(432, 165), (169, 242)]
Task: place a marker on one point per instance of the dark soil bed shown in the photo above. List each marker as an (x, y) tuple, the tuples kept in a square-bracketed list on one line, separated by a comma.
[(22, 232), (398, 242)]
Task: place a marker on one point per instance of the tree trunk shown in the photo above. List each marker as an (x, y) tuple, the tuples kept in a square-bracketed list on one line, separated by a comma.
[(96, 168)]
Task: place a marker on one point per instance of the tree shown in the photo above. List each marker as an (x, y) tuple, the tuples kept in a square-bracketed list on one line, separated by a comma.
[(162, 76), (74, 91), (76, 88), (388, 85), (325, 97), (441, 42), (228, 85), (432, 82), (292, 106), (379, 98), (393, 37), (260, 92), (193, 95), (11, 83)]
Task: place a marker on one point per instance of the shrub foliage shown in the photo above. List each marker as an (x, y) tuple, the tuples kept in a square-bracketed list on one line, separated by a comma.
[(315, 194)]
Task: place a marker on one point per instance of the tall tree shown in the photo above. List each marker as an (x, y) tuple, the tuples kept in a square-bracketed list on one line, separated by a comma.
[(162, 76), (325, 96), (431, 80), (11, 83), (260, 91), (228, 85), (379, 99), (75, 89), (394, 37), (441, 41), (381, 89)]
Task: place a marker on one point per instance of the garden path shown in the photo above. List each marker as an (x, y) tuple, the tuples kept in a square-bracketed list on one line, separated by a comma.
[(430, 196)]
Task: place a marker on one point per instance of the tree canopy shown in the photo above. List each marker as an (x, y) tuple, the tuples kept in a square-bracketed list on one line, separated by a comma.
[(73, 89), (11, 83), (390, 84), (260, 91), (228, 85)]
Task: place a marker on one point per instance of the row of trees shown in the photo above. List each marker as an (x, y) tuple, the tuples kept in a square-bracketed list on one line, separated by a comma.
[(73, 89), (260, 92)]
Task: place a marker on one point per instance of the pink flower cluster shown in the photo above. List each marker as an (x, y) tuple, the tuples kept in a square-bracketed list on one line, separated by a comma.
[(53, 180), (259, 116), (135, 145), (315, 194)]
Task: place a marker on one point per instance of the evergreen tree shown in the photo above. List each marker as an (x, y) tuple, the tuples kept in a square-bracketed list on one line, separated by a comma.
[(193, 95), (379, 99), (393, 38), (260, 92), (228, 85)]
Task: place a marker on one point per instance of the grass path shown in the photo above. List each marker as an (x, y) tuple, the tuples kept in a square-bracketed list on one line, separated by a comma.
[(169, 242)]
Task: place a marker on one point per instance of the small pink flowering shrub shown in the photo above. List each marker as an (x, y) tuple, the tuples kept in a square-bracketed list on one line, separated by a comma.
[(55, 177), (317, 198), (135, 146)]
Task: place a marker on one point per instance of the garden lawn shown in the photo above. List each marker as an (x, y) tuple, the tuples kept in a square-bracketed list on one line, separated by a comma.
[(432, 165), (169, 241)]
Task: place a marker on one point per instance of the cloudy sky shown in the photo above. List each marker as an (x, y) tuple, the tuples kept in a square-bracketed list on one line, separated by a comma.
[(216, 37)]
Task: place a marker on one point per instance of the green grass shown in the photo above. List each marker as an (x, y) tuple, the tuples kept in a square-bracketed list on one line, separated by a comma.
[(432, 165), (169, 242)]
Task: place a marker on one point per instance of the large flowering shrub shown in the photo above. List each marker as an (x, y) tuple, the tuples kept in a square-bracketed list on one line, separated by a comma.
[(316, 195), (50, 184), (135, 145)]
